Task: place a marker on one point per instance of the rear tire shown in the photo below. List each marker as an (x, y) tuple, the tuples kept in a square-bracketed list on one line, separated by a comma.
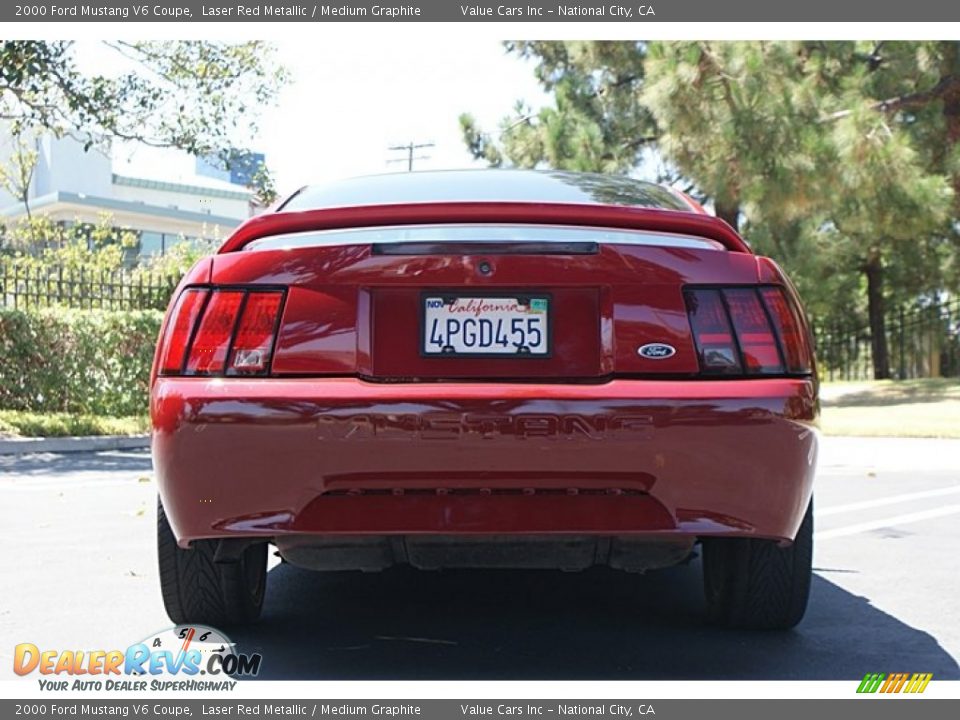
[(756, 584), (198, 590)]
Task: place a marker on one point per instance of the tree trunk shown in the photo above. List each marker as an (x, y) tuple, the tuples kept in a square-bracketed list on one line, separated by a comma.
[(951, 113), (728, 211), (873, 269)]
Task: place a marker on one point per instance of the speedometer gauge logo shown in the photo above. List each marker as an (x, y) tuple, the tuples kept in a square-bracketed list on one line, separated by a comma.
[(191, 650)]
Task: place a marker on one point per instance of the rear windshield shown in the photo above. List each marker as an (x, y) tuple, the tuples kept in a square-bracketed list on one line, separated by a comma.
[(479, 233), (529, 186)]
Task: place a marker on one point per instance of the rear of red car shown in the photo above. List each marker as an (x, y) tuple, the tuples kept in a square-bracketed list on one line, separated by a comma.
[(495, 369)]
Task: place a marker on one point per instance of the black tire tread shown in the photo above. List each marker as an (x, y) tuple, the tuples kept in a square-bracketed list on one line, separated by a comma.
[(762, 585), (169, 578), (196, 589)]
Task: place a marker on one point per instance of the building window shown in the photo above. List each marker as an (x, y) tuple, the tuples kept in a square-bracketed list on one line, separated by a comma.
[(151, 243)]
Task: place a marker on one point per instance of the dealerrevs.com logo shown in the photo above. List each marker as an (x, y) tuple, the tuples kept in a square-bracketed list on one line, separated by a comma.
[(185, 657)]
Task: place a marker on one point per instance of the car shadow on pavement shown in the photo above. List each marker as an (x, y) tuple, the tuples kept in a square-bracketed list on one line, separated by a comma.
[(599, 624)]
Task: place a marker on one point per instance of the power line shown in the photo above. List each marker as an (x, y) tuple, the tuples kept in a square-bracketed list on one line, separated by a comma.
[(409, 148)]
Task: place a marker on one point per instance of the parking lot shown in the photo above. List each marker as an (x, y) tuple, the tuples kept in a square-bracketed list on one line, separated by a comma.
[(79, 572)]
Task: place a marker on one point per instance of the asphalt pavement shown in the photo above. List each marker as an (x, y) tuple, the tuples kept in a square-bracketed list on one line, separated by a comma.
[(79, 570)]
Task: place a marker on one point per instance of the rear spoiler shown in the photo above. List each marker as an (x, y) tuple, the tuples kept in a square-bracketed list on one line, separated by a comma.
[(612, 216)]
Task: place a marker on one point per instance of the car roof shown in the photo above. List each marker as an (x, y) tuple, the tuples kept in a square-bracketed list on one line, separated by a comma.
[(527, 186)]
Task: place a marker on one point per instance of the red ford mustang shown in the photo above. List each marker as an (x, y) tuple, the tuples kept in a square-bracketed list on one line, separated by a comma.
[(485, 369)]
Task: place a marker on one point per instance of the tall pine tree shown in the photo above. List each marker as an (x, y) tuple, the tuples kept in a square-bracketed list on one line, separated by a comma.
[(840, 159)]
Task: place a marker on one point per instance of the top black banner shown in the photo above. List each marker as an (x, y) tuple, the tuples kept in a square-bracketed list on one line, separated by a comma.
[(623, 11)]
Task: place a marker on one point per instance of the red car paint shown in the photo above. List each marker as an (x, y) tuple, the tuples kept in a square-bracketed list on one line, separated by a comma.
[(355, 432), (316, 455)]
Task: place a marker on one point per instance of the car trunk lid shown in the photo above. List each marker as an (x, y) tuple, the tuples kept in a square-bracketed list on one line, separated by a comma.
[(610, 303)]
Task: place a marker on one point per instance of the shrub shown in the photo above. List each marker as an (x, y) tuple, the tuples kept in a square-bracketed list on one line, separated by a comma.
[(27, 424), (78, 361)]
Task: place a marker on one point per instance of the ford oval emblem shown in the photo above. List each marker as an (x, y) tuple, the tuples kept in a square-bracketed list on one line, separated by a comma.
[(656, 351)]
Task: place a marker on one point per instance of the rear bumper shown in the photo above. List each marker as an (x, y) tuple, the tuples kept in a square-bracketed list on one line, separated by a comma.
[(274, 457)]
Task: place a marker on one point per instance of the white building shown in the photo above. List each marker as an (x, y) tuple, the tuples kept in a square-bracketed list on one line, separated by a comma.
[(70, 185)]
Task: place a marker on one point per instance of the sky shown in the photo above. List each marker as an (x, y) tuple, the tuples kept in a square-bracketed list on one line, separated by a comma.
[(350, 100)]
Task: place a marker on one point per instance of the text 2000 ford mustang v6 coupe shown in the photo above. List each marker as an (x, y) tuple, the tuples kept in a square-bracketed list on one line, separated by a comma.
[(485, 369)]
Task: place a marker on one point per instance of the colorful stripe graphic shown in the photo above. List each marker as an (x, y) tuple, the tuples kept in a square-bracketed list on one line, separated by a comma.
[(894, 682)]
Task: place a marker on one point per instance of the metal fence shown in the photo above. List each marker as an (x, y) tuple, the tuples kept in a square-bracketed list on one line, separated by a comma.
[(30, 288), (921, 342)]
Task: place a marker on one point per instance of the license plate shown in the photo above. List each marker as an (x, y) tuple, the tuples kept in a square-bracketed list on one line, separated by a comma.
[(514, 325)]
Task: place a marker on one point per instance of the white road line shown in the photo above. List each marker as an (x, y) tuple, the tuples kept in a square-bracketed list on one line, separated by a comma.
[(894, 521), (890, 500)]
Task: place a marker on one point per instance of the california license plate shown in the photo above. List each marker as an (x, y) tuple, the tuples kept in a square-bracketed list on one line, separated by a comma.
[(509, 325)]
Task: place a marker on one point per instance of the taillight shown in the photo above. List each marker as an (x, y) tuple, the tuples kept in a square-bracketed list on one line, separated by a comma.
[(786, 319), (221, 331), (712, 332), (183, 319), (752, 325), (747, 331), (253, 343), (208, 352)]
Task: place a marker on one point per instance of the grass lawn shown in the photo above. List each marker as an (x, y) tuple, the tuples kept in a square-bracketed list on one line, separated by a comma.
[(15, 423), (909, 408)]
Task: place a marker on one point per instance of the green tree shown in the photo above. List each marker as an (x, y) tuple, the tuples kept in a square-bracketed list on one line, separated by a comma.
[(596, 124), (839, 159), (17, 175), (263, 186), (198, 96), (41, 244), (812, 141)]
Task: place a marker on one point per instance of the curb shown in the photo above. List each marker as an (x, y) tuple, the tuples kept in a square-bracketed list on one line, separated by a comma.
[(23, 446)]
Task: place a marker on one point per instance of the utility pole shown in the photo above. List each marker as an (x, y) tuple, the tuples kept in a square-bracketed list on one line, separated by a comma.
[(409, 148)]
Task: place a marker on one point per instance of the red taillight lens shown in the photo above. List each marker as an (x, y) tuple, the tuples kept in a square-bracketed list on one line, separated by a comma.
[(253, 343), (183, 319), (232, 329), (221, 331), (711, 332), (208, 353), (757, 342), (786, 320), (748, 331)]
